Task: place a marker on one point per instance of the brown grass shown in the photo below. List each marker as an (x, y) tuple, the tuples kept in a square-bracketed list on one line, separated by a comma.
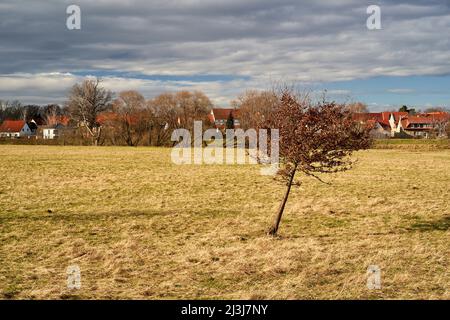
[(140, 227)]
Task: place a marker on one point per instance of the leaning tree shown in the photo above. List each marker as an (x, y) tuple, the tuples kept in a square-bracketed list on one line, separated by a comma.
[(313, 139)]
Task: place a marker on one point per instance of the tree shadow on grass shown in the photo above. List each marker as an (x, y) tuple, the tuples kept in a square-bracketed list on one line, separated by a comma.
[(442, 224)]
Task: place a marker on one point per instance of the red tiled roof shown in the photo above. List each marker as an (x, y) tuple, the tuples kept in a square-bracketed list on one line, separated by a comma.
[(372, 117), (367, 116), (407, 121), (223, 114), (397, 115), (12, 125), (383, 117), (418, 119), (437, 116)]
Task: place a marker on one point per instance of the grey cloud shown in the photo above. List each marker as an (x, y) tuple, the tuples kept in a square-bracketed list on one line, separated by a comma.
[(298, 40)]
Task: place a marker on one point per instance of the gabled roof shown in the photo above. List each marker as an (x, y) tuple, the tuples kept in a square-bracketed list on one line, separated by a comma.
[(396, 115), (38, 120), (32, 125), (12, 125), (406, 119), (376, 116), (438, 116), (223, 114), (418, 119)]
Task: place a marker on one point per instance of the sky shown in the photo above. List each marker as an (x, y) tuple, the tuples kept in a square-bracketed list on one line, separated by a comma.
[(226, 47)]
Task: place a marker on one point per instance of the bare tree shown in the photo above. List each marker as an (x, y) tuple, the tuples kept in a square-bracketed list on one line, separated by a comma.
[(178, 110), (4, 106), (31, 112), (314, 139), (357, 107), (165, 116), (11, 110), (52, 114), (435, 109), (255, 107), (130, 119), (440, 124), (86, 101), (191, 106)]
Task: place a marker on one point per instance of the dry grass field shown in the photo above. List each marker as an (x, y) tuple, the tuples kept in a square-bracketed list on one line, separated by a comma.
[(141, 227)]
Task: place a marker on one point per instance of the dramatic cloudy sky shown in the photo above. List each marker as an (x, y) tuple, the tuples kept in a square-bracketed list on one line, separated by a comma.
[(225, 47)]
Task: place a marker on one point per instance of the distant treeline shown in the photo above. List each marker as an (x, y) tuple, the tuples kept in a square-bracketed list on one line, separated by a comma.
[(94, 115), (15, 110)]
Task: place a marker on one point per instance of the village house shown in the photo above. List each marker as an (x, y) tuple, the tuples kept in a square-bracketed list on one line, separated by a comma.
[(52, 131), (381, 122), (17, 129), (54, 128), (219, 117), (403, 125)]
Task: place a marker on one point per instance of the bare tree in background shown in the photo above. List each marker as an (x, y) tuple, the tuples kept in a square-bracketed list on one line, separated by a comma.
[(165, 116), (86, 101), (5, 106), (255, 107), (435, 109), (192, 106), (314, 139), (441, 124), (130, 119), (52, 114), (178, 110), (357, 107), (13, 110)]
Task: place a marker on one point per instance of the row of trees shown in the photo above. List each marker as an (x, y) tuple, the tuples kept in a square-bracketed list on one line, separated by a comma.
[(129, 118), (14, 110), (101, 117), (132, 120)]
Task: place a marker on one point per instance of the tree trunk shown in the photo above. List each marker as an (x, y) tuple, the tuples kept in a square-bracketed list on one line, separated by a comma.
[(274, 229)]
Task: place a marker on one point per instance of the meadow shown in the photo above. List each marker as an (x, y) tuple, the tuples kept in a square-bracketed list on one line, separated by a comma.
[(140, 227)]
